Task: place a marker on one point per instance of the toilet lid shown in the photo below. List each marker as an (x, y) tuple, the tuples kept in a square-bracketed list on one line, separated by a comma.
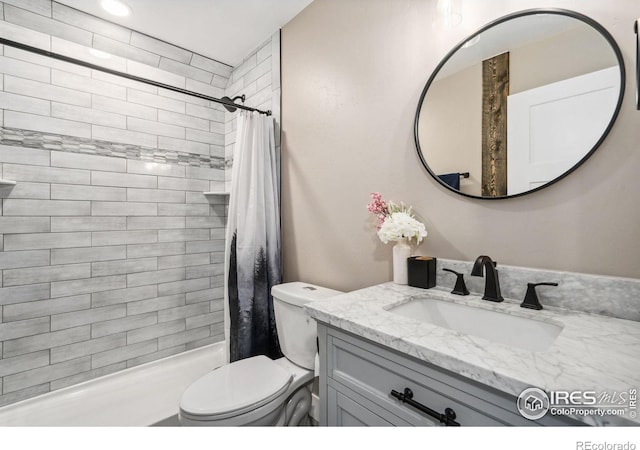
[(236, 387)]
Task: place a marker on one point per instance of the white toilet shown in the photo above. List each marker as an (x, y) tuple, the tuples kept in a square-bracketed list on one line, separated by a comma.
[(259, 391)]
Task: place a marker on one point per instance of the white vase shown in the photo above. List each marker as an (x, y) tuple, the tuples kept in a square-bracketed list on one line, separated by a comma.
[(401, 251)]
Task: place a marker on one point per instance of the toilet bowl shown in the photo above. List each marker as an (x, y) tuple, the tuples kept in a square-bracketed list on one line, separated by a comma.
[(258, 391)]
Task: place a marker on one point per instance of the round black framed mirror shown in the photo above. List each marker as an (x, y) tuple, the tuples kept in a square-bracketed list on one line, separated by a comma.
[(519, 104)]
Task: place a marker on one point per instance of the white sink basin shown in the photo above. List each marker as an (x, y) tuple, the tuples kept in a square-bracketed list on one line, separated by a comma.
[(521, 332)]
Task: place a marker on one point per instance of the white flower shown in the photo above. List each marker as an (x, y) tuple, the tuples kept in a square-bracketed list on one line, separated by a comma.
[(401, 225)]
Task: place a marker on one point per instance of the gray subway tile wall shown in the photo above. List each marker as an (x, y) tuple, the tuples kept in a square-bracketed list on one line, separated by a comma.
[(26, 190), (124, 295), (87, 348), (25, 88), (49, 307), (46, 63), (31, 105), (45, 341), (44, 24), (42, 7), (45, 374), (87, 223), (110, 255), (25, 35), (78, 19), (115, 47), (257, 77), (87, 254)]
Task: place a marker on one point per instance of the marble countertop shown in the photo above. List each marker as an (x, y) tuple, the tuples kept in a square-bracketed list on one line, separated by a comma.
[(592, 352)]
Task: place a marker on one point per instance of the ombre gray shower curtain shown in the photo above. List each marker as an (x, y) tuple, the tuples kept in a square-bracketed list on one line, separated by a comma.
[(253, 240)]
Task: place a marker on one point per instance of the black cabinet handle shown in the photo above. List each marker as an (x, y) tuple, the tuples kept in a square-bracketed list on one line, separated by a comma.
[(407, 397)]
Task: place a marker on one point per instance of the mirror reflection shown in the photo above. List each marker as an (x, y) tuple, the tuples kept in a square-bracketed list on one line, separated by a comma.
[(520, 104)]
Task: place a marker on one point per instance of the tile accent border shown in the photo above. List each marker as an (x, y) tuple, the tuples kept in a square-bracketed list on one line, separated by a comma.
[(72, 144)]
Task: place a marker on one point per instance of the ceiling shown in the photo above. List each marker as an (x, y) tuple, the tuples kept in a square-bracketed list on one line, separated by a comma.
[(507, 36), (224, 30)]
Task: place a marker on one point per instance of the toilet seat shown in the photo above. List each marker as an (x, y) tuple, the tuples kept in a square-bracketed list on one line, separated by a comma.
[(235, 389)]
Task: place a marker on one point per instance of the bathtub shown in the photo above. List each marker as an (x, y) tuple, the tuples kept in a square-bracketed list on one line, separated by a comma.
[(144, 395)]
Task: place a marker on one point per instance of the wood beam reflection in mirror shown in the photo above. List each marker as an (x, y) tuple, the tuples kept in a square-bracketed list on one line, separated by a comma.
[(495, 90)]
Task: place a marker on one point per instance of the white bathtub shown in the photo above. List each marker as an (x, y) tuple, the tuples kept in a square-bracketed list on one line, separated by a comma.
[(141, 396)]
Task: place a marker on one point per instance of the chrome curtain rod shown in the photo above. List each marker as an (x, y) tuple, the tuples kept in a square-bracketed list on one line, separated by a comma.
[(225, 101)]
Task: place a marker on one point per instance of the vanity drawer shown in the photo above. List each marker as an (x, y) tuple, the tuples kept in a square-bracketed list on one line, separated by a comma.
[(373, 372), (374, 377), (346, 411)]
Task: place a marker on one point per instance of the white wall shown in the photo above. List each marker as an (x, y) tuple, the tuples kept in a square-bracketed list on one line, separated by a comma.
[(352, 76)]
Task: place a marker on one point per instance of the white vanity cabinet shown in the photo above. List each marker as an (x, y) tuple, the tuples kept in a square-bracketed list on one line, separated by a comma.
[(357, 377)]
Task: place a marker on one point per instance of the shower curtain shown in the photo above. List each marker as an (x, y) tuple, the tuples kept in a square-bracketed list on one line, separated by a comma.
[(253, 240)]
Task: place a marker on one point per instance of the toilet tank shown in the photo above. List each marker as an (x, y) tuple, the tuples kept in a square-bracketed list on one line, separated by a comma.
[(297, 332)]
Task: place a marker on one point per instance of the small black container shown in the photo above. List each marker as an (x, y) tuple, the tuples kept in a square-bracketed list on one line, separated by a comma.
[(421, 271)]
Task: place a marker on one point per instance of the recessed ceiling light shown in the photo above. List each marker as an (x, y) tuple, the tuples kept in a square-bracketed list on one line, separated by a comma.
[(116, 7)]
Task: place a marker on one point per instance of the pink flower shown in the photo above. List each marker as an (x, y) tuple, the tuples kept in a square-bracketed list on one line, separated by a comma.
[(378, 207)]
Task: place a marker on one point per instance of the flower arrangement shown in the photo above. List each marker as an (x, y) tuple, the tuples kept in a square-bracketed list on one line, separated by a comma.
[(395, 221)]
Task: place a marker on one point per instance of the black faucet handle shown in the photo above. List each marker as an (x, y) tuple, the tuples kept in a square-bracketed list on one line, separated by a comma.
[(531, 298), (460, 287)]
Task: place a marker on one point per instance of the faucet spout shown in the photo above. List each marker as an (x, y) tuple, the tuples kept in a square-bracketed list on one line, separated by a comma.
[(492, 284)]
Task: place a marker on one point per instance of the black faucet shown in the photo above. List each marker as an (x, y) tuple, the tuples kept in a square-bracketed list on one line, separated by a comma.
[(491, 284)]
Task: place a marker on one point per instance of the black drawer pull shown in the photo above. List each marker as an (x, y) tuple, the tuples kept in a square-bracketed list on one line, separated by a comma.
[(407, 397)]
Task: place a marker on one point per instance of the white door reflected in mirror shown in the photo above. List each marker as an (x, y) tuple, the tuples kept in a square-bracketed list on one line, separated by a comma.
[(542, 142)]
